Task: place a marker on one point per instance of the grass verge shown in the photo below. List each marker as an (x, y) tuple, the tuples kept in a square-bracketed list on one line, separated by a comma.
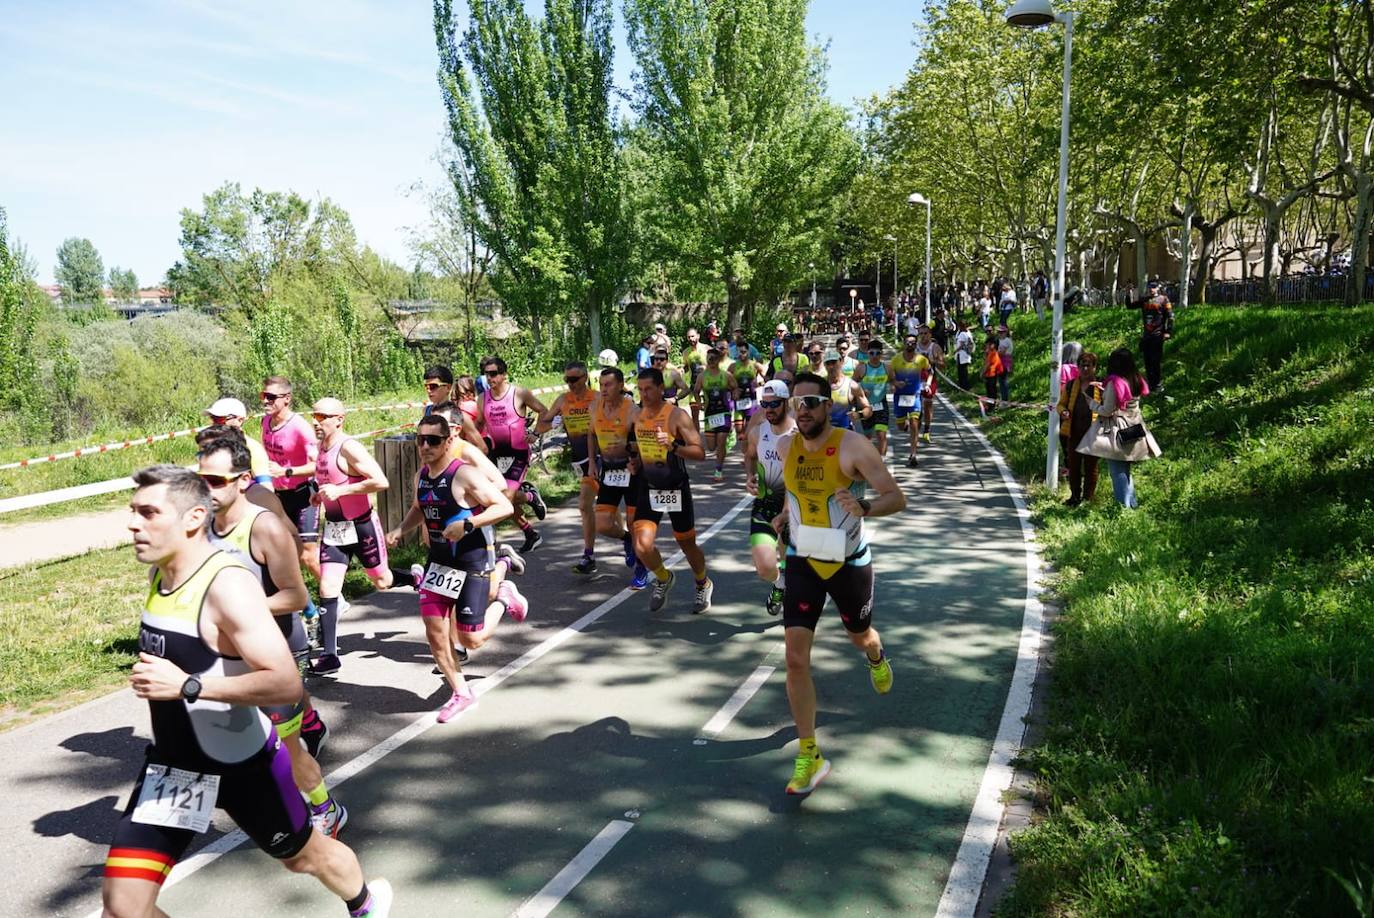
[(1211, 711)]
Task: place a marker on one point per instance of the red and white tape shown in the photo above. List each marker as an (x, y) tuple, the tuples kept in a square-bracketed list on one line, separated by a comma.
[(984, 401)]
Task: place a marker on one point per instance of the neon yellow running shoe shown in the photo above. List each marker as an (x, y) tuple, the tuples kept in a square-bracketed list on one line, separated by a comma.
[(807, 772), (880, 674)]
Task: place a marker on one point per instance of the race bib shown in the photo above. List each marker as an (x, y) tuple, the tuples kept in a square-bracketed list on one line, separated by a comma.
[(820, 543), (340, 532), (717, 420), (503, 463), (616, 478), (176, 799), (446, 581), (906, 401), (744, 404), (667, 501)]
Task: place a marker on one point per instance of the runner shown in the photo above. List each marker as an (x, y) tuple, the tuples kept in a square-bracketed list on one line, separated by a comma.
[(291, 451), (458, 504), (345, 474), (910, 371), (790, 359), (847, 397), (814, 364), (262, 543), (501, 416), (823, 468), (716, 388), (574, 408), (748, 373), (230, 412), (874, 375), (608, 445), (694, 359), (935, 356), (438, 381), (664, 437), (209, 655), (674, 386), (847, 363), (763, 479)]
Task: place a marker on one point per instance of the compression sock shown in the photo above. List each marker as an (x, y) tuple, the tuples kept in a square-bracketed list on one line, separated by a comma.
[(661, 574), (319, 795), (523, 523), (329, 625), (402, 578), (360, 904), (309, 719), (700, 576), (588, 552), (809, 747)]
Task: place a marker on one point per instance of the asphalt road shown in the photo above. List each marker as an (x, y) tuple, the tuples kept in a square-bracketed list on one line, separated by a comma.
[(613, 745)]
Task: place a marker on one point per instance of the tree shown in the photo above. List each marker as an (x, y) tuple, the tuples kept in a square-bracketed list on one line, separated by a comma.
[(124, 284), (749, 157), (18, 324), (80, 272)]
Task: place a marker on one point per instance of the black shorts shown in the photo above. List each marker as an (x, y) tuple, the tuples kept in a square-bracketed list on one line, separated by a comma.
[(258, 794), (804, 593), (684, 521), (714, 410), (513, 464), (299, 510), (878, 421), (369, 549), (761, 519), (577, 447), (469, 610), (610, 496), (287, 717)]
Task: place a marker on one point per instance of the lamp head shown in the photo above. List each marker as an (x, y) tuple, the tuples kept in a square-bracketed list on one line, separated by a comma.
[(917, 198), (1030, 14)]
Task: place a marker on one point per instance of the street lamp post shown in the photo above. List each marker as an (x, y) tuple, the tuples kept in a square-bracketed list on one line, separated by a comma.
[(913, 199), (1031, 14), (813, 286)]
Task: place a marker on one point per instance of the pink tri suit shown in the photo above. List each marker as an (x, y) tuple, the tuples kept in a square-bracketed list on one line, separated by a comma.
[(505, 429), (349, 527), (291, 446)]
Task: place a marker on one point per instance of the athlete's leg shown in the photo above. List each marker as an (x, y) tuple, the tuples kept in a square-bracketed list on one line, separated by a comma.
[(332, 863), (645, 532), (765, 560), (586, 506), (869, 642), (437, 633), (696, 558), (305, 771), (128, 898), (801, 690)]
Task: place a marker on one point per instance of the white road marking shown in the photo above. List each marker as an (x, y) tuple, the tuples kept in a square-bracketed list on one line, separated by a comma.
[(426, 721), (721, 719), (965, 883), (566, 880)]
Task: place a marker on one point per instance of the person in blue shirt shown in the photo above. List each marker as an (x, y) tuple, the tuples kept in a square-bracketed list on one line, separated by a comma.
[(779, 333), (644, 357), (737, 341)]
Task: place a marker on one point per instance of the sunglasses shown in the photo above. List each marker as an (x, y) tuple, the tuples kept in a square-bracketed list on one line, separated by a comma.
[(770, 404), (813, 353), (272, 396), (572, 379), (219, 481), (431, 386), (658, 359), (875, 352), (809, 402), (430, 439), (320, 417), (492, 374)]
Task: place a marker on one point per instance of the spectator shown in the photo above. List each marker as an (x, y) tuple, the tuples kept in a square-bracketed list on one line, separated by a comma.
[(661, 340), (1119, 434), (1004, 350), (985, 310), (1076, 416), (1157, 315), (645, 355), (992, 368), (1006, 303), (963, 352), (1040, 293)]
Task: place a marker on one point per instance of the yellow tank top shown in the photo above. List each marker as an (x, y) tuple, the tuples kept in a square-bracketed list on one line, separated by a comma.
[(577, 412), (811, 479), (612, 427), (660, 469)]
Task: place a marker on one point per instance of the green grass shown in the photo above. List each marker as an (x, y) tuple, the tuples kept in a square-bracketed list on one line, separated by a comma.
[(1211, 708)]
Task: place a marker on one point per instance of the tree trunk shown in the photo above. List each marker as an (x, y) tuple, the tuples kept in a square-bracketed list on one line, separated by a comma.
[(1109, 271), (1141, 278), (734, 312), (1272, 217), (1206, 263), (1359, 237), (594, 325), (1186, 259)]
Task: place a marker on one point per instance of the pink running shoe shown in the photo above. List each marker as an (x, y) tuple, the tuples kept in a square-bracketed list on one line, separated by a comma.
[(455, 706), (516, 605)]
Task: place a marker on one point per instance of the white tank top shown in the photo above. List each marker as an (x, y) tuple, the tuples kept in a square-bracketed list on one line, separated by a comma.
[(769, 465)]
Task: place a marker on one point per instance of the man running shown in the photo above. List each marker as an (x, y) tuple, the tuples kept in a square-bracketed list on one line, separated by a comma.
[(717, 389), (608, 446), (457, 504), (209, 656), (664, 437), (748, 373), (935, 356), (763, 479), (345, 474), (910, 371), (674, 386), (438, 381), (847, 397), (824, 469), (790, 359), (501, 415), (261, 542), (230, 412), (291, 452), (874, 375), (574, 407)]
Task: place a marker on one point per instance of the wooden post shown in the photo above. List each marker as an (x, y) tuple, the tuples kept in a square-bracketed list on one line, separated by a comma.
[(399, 461)]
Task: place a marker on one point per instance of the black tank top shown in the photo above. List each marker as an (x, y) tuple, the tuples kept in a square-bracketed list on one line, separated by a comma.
[(435, 496)]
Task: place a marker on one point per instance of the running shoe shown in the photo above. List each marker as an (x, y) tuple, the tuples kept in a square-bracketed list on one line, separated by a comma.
[(703, 600), (718, 475), (774, 604), (417, 573), (660, 592), (629, 546), (381, 896), (536, 501), (911, 462), (880, 674), (641, 578), (586, 566), (455, 706), (516, 606), (329, 818), (807, 772), (513, 559), (326, 664), (532, 541), (314, 736), (926, 436)]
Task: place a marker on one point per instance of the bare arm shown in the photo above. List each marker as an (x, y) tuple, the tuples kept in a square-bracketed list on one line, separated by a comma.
[(525, 400), (680, 427), (283, 564), (860, 460), (359, 463), (496, 506), (751, 456), (414, 515), (545, 423)]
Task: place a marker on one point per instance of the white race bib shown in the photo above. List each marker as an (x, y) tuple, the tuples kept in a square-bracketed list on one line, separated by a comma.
[(446, 581), (340, 532), (668, 501), (176, 799), (820, 543), (503, 463), (717, 420), (616, 478), (744, 404), (906, 401)]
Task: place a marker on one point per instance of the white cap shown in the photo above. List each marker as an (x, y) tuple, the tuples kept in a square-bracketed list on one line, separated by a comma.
[(608, 358), (776, 388), (227, 408), (660, 327)]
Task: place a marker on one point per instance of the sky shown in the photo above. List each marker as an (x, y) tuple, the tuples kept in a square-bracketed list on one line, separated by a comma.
[(118, 115)]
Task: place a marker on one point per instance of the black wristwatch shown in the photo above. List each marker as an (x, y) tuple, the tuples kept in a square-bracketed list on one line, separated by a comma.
[(288, 472), (865, 505), (190, 689), (467, 525)]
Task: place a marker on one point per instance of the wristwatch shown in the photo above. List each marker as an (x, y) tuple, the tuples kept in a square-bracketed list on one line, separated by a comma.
[(288, 472), (467, 526), (190, 689), (865, 505)]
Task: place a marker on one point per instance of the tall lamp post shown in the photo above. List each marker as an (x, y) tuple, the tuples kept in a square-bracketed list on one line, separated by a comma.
[(913, 199), (813, 286), (1032, 14)]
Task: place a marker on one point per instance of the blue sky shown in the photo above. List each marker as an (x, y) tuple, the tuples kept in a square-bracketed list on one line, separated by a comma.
[(120, 114)]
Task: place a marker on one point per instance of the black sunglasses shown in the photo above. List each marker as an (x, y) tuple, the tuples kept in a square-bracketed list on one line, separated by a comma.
[(770, 404), (431, 386), (272, 396), (430, 439), (814, 353), (219, 481), (492, 374), (572, 379)]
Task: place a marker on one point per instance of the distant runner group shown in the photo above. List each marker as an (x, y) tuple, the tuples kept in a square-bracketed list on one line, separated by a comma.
[(228, 625)]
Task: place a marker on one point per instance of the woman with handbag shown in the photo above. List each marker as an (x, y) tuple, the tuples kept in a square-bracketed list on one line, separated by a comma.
[(1076, 416), (1119, 434)]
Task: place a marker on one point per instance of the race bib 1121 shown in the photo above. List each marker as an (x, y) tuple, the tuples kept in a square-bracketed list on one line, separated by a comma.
[(176, 798)]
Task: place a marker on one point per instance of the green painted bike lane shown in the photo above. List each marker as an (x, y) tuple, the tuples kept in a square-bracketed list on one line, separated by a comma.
[(475, 817)]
